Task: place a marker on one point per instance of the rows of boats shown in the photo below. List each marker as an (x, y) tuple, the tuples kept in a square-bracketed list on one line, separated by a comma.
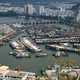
[(22, 44)]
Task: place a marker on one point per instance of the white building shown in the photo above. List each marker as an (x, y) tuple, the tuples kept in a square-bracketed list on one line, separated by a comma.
[(18, 9), (42, 10), (52, 74), (29, 9), (9, 74)]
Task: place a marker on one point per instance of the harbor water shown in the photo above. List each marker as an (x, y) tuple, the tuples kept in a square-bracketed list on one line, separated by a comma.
[(32, 64)]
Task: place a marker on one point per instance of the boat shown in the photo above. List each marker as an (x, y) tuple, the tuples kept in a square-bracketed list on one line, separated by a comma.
[(63, 53), (14, 44), (27, 43), (11, 53), (60, 53), (22, 55), (41, 54)]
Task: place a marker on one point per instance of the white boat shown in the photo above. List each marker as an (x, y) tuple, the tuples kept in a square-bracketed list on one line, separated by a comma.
[(58, 54), (41, 54), (29, 45), (22, 55), (14, 44), (11, 53)]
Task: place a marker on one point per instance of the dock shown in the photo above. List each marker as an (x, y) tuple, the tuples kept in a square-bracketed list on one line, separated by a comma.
[(63, 48)]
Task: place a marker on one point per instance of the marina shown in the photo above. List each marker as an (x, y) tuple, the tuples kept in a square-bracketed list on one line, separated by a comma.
[(39, 40), (31, 64)]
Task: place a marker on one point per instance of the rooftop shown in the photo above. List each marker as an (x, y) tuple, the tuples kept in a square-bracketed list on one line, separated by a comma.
[(22, 75)]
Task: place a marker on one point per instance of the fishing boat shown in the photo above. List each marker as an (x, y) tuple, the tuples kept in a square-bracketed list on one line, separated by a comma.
[(41, 54), (11, 53), (22, 55)]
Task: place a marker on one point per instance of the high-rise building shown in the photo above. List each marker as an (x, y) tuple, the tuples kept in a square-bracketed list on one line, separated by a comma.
[(29, 9), (78, 17), (41, 10)]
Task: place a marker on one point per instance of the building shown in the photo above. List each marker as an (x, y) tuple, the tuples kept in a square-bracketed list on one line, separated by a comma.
[(53, 73), (42, 10), (78, 17), (6, 32), (29, 9), (9, 74)]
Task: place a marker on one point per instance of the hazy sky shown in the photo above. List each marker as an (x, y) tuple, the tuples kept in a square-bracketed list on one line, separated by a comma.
[(35, 0), (38, 1)]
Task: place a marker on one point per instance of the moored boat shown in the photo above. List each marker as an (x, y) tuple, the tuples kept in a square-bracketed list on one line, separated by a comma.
[(41, 54)]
